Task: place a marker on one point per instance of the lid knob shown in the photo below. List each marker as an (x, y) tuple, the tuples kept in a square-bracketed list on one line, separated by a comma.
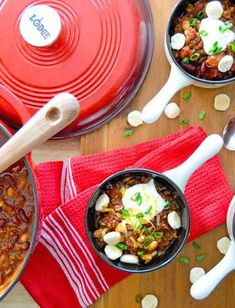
[(40, 25)]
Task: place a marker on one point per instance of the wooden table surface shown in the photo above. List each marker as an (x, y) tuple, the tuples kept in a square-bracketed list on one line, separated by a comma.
[(170, 284)]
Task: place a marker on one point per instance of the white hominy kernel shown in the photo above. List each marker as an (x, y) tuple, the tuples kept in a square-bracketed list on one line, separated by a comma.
[(172, 111), (174, 220), (221, 102), (131, 259), (112, 238), (112, 252), (178, 41), (223, 245), (196, 273), (134, 118), (102, 203), (225, 64), (149, 301)]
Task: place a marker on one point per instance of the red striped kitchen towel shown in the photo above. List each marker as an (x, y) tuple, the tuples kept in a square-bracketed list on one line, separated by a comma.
[(64, 271)]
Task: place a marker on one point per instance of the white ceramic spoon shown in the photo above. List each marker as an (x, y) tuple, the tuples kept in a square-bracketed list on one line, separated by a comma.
[(48, 121), (203, 287)]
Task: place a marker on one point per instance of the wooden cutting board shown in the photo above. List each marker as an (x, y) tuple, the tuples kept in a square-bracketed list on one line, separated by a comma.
[(171, 284)]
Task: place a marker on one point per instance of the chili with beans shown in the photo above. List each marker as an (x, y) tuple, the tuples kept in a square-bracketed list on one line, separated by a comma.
[(16, 216)]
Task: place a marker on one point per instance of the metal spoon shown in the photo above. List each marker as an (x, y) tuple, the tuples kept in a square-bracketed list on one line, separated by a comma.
[(205, 285), (229, 135)]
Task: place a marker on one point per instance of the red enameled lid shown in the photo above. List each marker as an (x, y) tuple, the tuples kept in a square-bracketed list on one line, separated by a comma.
[(100, 53)]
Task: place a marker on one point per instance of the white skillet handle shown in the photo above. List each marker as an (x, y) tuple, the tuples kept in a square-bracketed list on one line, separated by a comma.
[(153, 110), (48, 121), (209, 147), (205, 285)]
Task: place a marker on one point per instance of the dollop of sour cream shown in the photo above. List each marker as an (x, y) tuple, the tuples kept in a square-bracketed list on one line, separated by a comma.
[(212, 35), (142, 201)]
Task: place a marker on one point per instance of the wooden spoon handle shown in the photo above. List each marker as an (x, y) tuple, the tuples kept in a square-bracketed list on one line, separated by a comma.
[(53, 117)]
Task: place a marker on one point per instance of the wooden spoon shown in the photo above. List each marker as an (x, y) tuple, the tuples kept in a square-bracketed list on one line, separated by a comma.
[(59, 112)]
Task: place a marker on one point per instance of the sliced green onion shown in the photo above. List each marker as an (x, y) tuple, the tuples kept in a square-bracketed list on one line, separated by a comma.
[(200, 258), (128, 132), (202, 115), (140, 252), (193, 22), (233, 47), (138, 226), (227, 26), (216, 48), (186, 96), (121, 246), (201, 14), (125, 212), (158, 234), (167, 206), (195, 56), (185, 60), (148, 231), (184, 122), (184, 260), (203, 32), (196, 245), (139, 215), (148, 210), (148, 241), (137, 198)]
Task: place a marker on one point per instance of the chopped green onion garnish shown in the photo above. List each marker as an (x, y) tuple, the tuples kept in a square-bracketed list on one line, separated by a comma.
[(121, 246), (148, 241), (187, 96), (201, 14), (200, 258), (148, 210), (185, 60), (193, 22), (167, 206), (184, 122), (233, 47), (138, 226), (125, 212), (137, 198), (128, 132), (227, 26), (158, 234), (148, 231), (139, 215), (196, 246), (203, 33), (202, 115), (138, 299), (140, 252), (195, 56), (216, 48), (184, 260)]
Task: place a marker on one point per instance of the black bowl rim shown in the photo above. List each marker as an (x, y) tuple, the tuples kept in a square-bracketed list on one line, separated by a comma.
[(152, 173), (168, 43), (35, 223)]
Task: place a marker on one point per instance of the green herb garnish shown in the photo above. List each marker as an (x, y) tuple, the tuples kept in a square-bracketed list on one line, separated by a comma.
[(148, 241), (186, 96), (184, 260), (226, 27), (184, 122), (148, 210), (196, 245), (195, 56), (138, 226), (140, 215), (215, 49), (148, 231), (202, 115), (137, 198), (193, 22), (128, 132), (140, 252), (138, 299), (203, 33), (185, 60), (125, 212), (158, 234), (201, 14), (233, 47), (200, 257), (167, 206), (121, 246)]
